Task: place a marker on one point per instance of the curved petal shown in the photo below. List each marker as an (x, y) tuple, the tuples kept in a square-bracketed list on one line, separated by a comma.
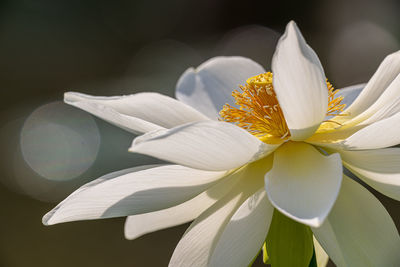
[(141, 224), (132, 191), (381, 134), (359, 231), (385, 106), (299, 83), (209, 145), (383, 77), (380, 168), (245, 233), (303, 184), (136, 113), (210, 86), (199, 241)]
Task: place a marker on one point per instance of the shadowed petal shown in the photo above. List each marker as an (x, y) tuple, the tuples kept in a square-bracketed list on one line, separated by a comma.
[(303, 184), (359, 232), (245, 233), (209, 87), (199, 241), (380, 168), (132, 191), (140, 224)]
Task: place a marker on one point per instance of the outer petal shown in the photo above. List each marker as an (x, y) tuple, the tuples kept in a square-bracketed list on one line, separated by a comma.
[(383, 77), (299, 83), (132, 191), (380, 168), (209, 145), (303, 184), (136, 113), (198, 243), (385, 106), (359, 231), (210, 86), (140, 224), (384, 133), (245, 233)]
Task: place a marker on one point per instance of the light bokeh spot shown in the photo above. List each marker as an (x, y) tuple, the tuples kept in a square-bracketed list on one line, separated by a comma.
[(59, 142)]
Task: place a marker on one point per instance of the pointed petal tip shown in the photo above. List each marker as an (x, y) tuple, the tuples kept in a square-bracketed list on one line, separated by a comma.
[(291, 25), (70, 97), (293, 29), (46, 219)]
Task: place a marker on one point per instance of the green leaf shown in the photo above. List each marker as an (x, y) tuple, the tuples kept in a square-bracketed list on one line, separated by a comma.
[(313, 262), (289, 243)]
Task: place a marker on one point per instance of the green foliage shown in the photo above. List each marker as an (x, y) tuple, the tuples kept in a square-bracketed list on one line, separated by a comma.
[(289, 243), (313, 262)]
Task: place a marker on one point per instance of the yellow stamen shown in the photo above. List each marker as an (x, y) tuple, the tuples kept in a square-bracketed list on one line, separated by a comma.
[(335, 106), (259, 111)]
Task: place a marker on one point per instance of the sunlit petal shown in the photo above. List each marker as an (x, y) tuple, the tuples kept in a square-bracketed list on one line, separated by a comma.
[(207, 145), (138, 113), (303, 184), (299, 82)]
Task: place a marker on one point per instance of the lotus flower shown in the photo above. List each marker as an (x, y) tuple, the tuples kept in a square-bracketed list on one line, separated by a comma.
[(249, 165)]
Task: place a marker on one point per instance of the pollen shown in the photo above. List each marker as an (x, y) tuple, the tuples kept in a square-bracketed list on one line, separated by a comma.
[(259, 112)]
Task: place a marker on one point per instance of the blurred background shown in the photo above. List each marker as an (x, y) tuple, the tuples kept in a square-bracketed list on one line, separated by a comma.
[(122, 47)]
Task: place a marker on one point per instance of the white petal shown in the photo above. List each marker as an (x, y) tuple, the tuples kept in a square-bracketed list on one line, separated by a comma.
[(384, 75), (384, 133), (320, 254), (245, 233), (196, 246), (210, 86), (303, 184), (380, 168), (385, 106), (209, 145), (136, 113), (359, 231), (140, 224), (132, 191), (299, 83)]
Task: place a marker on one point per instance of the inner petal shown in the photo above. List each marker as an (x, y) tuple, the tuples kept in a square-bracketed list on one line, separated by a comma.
[(259, 111)]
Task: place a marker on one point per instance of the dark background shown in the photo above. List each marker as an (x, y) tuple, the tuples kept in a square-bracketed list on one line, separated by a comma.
[(121, 47)]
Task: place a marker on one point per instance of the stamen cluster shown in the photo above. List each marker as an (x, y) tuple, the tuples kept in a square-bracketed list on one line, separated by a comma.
[(259, 111)]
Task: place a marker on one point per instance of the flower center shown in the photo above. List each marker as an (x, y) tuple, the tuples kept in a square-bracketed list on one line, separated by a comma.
[(259, 112)]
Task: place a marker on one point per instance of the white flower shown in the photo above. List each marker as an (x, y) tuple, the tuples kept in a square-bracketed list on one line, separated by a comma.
[(286, 155)]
